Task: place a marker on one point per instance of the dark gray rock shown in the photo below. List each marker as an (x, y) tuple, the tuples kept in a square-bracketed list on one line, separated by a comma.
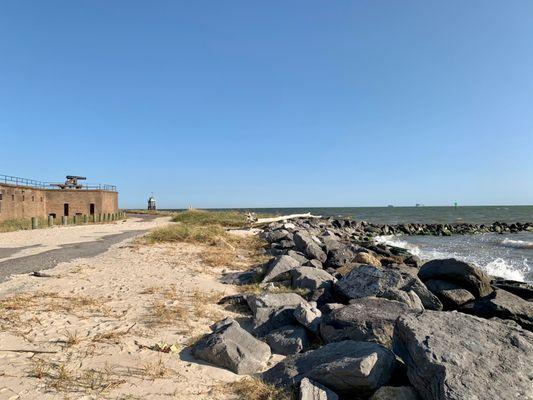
[(308, 315), (451, 295), (273, 310), (327, 308), (276, 235), (274, 300), (254, 275), (461, 273), (346, 367), (314, 264), (521, 289), (395, 393), (339, 257), (287, 340), (285, 244), (311, 278), (454, 356), (369, 319), (279, 266), (504, 305), (331, 242), (310, 390), (231, 347), (298, 256), (367, 280), (409, 298), (308, 246)]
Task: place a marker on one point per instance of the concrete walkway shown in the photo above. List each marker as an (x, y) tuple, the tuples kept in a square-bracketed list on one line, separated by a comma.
[(35, 250)]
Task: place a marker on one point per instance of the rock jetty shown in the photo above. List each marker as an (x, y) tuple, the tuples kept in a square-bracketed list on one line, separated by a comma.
[(360, 320)]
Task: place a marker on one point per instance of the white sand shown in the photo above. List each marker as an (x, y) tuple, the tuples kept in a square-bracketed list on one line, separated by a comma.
[(52, 238), (127, 280)]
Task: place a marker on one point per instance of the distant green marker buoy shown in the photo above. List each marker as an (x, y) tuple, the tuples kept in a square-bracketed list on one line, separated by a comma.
[(455, 204)]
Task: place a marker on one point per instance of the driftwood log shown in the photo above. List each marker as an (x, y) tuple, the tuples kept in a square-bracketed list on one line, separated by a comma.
[(284, 218)]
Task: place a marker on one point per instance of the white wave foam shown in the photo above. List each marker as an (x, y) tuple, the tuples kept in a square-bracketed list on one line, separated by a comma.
[(392, 240), (496, 267), (500, 268), (517, 244)]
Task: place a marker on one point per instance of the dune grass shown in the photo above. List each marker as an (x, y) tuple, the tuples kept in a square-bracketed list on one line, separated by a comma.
[(209, 234), (15, 225), (228, 219), (255, 389), (198, 226)]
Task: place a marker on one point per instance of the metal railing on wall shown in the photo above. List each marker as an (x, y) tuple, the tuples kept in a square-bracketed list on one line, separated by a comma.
[(17, 181)]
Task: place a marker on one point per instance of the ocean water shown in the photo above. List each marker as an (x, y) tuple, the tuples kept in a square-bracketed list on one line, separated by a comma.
[(428, 215), (509, 255)]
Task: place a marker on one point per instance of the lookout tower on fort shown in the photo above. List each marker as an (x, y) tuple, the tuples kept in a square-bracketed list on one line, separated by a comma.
[(151, 203)]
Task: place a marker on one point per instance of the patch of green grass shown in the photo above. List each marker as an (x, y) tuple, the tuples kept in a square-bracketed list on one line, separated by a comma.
[(209, 234), (15, 225), (220, 218)]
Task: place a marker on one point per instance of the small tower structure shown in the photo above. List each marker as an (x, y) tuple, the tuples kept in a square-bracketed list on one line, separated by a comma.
[(151, 203)]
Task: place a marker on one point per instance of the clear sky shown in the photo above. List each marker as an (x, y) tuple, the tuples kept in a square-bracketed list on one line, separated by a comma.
[(272, 103)]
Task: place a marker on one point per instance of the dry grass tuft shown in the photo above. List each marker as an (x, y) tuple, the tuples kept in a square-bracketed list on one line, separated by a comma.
[(156, 370), (209, 234), (59, 377), (201, 302), (257, 288), (254, 389), (72, 338), (163, 313), (17, 313), (220, 218)]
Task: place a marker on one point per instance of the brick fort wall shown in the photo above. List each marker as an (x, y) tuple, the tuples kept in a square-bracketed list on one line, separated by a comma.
[(18, 202)]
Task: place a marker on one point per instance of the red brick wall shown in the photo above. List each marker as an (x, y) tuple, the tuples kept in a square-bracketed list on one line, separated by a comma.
[(79, 201), (22, 202)]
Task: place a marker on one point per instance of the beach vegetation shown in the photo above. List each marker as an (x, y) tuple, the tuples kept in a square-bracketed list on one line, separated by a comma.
[(227, 219), (255, 389), (209, 234)]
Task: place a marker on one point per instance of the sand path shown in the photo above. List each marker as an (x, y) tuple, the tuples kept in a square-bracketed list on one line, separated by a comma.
[(86, 331)]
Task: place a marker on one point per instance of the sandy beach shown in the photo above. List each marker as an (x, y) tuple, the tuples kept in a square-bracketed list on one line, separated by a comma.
[(91, 329)]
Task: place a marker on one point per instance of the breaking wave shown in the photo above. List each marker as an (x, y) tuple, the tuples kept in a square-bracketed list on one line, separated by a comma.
[(479, 254), (517, 244)]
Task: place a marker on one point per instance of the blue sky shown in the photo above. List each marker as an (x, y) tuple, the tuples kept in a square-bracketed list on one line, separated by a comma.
[(272, 103)]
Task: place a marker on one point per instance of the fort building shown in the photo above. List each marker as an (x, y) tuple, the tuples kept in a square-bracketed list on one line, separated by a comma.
[(26, 198)]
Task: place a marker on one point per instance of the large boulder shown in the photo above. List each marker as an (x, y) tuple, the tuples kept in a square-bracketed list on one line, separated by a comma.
[(504, 305), (279, 266), (274, 300), (308, 246), (308, 315), (347, 368), (368, 319), (521, 289), (310, 390), (231, 347), (454, 356), (459, 272), (367, 280), (451, 295), (395, 393), (273, 310), (276, 235), (311, 278), (339, 257), (289, 339)]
